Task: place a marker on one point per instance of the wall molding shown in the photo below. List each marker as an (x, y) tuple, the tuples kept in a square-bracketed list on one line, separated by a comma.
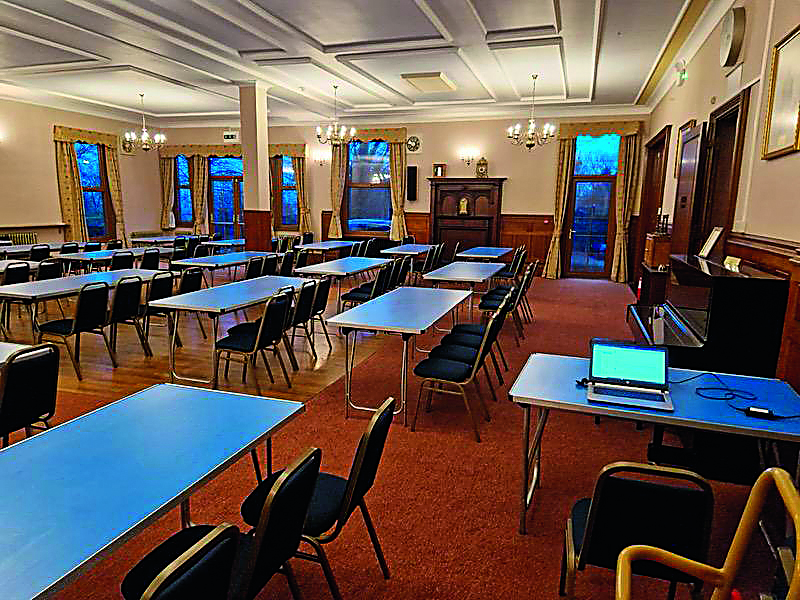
[(766, 253)]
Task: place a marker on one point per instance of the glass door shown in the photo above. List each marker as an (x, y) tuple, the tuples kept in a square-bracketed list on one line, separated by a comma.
[(226, 196), (589, 234)]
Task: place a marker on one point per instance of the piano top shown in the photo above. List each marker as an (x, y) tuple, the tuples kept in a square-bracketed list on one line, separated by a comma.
[(715, 269)]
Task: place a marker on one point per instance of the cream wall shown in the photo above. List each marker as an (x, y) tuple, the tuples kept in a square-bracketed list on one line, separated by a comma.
[(767, 189), (29, 193)]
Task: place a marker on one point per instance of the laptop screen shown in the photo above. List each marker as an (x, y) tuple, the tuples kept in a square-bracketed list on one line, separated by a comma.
[(625, 363)]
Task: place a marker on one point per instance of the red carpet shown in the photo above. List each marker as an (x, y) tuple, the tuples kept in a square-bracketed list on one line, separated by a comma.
[(446, 507)]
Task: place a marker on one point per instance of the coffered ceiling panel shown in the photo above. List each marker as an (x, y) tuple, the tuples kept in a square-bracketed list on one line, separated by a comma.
[(507, 15), (520, 62), (19, 50), (315, 78), (334, 22)]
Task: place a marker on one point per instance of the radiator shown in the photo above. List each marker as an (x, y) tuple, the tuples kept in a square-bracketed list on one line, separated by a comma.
[(23, 237)]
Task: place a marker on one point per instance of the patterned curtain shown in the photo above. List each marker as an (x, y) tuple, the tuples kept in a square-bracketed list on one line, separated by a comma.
[(275, 184), (115, 190), (303, 212), (338, 175), (397, 162), (566, 163), (627, 186), (69, 192), (167, 169), (198, 179)]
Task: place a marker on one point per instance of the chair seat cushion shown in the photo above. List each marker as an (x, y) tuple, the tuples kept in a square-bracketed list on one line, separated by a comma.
[(58, 326), (463, 339), (504, 274), (470, 328), (502, 287), (322, 512), (464, 354), (356, 296), (240, 341), (490, 303), (579, 517), (249, 327), (444, 369)]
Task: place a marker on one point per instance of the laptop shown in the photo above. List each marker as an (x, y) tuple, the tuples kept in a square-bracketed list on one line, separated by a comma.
[(628, 374)]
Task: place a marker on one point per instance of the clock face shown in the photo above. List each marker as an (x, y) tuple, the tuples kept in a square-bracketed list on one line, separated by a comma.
[(731, 36), (413, 144), (482, 168)]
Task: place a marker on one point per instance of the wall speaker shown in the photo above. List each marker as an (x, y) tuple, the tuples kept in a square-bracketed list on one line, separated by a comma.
[(411, 183)]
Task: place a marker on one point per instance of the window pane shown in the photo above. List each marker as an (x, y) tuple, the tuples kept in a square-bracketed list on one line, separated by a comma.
[(369, 162), (369, 209), (596, 155), (185, 205), (95, 216), (288, 172), (88, 164), (224, 165), (289, 207), (182, 170), (590, 226)]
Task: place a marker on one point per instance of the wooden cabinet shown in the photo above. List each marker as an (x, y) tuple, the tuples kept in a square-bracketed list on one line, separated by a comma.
[(466, 210), (789, 358)]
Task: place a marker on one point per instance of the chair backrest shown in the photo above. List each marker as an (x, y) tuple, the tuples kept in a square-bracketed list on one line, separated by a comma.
[(321, 297), (437, 260), (91, 246), (302, 259), (160, 286), (492, 330), (200, 250), (204, 237), (671, 508), (304, 305), (394, 275), (523, 257), (362, 248), (191, 280), (287, 264), (91, 307), (179, 242), (179, 249), (366, 461), (217, 236), (254, 267), (408, 239), (270, 265), (69, 248), (381, 281), (191, 243), (430, 255), (126, 298), (272, 324), (405, 267), (16, 272), (40, 252), (296, 241), (49, 269), (276, 538), (283, 244), (114, 245), (121, 260), (455, 251), (151, 259), (368, 247), (28, 385), (308, 237)]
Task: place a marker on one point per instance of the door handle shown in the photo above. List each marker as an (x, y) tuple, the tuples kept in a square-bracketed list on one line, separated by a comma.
[(571, 231)]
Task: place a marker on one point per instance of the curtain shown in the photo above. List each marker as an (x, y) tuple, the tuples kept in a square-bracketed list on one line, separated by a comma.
[(70, 194), (303, 212), (627, 187), (397, 163), (115, 190), (566, 162), (275, 184), (338, 175), (167, 169), (198, 178)]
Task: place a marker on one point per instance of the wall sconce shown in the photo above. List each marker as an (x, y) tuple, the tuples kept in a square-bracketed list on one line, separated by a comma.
[(468, 155), (321, 157)]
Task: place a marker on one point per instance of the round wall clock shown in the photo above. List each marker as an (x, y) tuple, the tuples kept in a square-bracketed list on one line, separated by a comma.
[(731, 37), (413, 144)]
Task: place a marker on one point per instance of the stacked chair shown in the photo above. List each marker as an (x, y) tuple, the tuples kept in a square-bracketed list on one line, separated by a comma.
[(320, 304), (15, 272), (304, 311), (121, 260), (371, 289), (40, 252), (151, 259), (270, 265), (287, 264), (160, 287), (125, 310), (429, 263), (494, 297)]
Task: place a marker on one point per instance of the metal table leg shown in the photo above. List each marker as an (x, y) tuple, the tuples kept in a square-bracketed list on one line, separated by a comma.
[(531, 460), (173, 374)]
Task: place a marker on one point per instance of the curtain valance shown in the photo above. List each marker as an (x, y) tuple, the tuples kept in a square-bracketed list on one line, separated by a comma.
[(293, 150), (390, 134), (71, 135), (204, 150), (568, 131)]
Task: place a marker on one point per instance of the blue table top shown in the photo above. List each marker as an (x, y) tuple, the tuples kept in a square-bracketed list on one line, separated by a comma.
[(548, 381), (77, 491)]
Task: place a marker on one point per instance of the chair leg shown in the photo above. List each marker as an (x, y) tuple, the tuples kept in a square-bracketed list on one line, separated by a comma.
[(244, 371), (292, 581), (325, 329), (480, 399), (266, 366), (496, 368), (111, 352), (283, 367), (200, 323), (489, 382), (374, 537), (227, 364), (217, 355), (471, 415), (148, 351), (326, 567), (290, 353), (502, 356), (310, 339), (673, 588), (419, 401), (73, 359), (568, 566)]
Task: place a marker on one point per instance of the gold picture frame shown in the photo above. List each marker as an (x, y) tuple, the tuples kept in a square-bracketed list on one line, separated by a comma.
[(440, 169), (782, 124), (679, 144)]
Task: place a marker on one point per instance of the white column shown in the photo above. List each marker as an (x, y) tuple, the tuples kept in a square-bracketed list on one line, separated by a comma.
[(255, 144)]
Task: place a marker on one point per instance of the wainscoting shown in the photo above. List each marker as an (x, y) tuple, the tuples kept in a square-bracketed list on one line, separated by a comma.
[(768, 254), (257, 227)]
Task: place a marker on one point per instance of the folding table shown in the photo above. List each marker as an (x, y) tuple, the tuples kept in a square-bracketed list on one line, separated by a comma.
[(76, 492), (219, 244), (7, 349), (484, 253), (104, 256), (24, 249), (341, 268), (159, 240), (408, 311), (465, 272), (407, 250), (33, 264), (219, 261), (325, 246), (215, 302), (548, 381)]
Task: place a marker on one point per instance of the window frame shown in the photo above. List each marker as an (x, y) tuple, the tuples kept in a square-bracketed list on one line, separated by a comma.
[(277, 204), (348, 184), (109, 217), (177, 187), (238, 193)]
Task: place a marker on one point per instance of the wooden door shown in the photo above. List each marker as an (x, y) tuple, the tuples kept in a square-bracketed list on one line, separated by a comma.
[(590, 227), (687, 215)]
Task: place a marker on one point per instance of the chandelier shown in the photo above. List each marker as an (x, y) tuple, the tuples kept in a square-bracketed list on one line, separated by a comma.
[(334, 133), (531, 138), (142, 139)]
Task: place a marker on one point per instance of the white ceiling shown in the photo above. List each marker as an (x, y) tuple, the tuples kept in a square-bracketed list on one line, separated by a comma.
[(188, 55)]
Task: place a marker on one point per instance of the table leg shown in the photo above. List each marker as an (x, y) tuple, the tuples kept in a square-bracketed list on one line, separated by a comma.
[(173, 374), (347, 371), (404, 381), (531, 460), (186, 517), (339, 301)]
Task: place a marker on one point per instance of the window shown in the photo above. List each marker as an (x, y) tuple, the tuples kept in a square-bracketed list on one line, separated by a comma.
[(226, 196), (367, 202), (285, 206), (182, 207), (100, 221)]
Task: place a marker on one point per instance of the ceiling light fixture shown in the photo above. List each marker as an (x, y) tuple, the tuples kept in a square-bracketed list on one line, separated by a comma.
[(335, 133), (142, 139), (531, 138)]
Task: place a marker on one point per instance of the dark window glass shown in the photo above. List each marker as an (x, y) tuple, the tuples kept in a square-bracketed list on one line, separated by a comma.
[(368, 195), (597, 155), (225, 166), (94, 185), (184, 212), (226, 200), (288, 193)]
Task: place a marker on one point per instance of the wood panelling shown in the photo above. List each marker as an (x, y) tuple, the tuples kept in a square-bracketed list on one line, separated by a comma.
[(789, 358), (326, 224), (535, 231), (768, 254), (635, 250), (418, 225), (258, 231)]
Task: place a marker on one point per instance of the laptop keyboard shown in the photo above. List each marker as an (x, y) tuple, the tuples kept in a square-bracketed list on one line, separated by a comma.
[(631, 394)]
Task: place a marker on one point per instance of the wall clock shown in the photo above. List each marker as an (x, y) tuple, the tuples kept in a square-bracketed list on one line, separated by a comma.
[(413, 144), (731, 37), (482, 168)]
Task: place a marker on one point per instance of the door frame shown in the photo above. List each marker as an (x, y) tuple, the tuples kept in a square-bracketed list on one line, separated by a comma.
[(238, 202), (566, 239)]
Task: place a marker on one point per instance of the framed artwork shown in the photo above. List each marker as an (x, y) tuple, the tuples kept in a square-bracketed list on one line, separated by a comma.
[(679, 144), (440, 169), (783, 109)]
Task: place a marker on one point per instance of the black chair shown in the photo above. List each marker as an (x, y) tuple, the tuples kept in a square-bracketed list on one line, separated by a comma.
[(28, 385), (670, 509), (405, 268), (255, 266), (303, 311), (408, 239), (69, 248), (394, 275), (308, 237), (91, 247), (51, 268), (151, 259), (191, 281), (425, 265), (320, 304), (219, 563), (371, 289), (114, 245), (270, 266), (15, 272), (287, 264), (125, 310), (302, 259), (90, 317), (283, 244), (121, 260), (200, 250), (296, 241), (39, 252), (179, 250), (192, 242), (160, 287), (336, 498)]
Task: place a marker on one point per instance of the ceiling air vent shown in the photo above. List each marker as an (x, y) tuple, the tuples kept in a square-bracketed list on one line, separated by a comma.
[(429, 83)]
